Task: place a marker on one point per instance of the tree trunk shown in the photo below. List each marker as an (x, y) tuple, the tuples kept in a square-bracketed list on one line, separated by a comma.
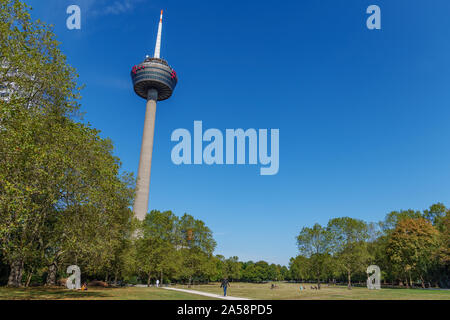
[(15, 274), (51, 276), (349, 279), (161, 281), (148, 280), (189, 283), (29, 279), (107, 277), (115, 278)]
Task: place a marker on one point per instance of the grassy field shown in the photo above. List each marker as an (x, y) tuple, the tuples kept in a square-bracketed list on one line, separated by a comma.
[(290, 291), (285, 291), (128, 293)]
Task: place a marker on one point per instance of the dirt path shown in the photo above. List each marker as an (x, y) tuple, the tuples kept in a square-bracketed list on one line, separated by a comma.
[(206, 294)]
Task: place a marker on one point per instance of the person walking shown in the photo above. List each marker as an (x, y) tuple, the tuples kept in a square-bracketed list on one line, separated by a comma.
[(224, 285)]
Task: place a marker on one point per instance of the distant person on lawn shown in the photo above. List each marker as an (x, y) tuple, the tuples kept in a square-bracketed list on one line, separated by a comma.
[(224, 285)]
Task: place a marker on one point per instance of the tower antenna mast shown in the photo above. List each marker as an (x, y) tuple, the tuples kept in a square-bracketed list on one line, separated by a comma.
[(158, 38)]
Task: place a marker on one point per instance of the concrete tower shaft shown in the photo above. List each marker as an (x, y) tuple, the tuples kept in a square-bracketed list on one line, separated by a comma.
[(145, 161), (153, 80)]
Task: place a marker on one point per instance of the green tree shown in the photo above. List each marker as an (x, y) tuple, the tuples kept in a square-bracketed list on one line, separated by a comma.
[(285, 275), (315, 244), (378, 256), (299, 268), (61, 197), (445, 240), (443, 272), (394, 217), (348, 238), (92, 216), (220, 268), (148, 251), (435, 214), (162, 226), (412, 246), (256, 272), (44, 94), (232, 268), (196, 245)]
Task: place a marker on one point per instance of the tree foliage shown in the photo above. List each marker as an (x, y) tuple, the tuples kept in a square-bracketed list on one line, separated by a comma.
[(408, 245), (412, 246), (62, 199), (315, 244)]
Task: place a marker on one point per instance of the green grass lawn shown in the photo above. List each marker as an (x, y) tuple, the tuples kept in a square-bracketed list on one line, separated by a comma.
[(127, 293), (290, 291), (285, 291)]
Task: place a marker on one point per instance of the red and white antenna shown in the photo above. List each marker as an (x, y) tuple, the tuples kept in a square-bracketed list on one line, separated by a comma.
[(158, 38)]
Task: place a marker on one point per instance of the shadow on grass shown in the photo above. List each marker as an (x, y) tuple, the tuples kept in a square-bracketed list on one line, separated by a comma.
[(42, 293)]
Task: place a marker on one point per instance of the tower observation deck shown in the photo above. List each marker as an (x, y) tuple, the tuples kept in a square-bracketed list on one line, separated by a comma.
[(154, 80), (154, 73)]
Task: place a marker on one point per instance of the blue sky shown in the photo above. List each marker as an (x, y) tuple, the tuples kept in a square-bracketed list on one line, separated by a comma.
[(363, 115)]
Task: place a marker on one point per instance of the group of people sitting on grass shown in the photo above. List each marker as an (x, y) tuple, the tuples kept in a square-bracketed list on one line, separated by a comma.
[(312, 287)]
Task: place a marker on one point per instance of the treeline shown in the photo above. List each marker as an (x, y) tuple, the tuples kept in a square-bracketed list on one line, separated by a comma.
[(249, 271), (171, 249), (62, 199), (412, 248), (163, 247), (180, 250)]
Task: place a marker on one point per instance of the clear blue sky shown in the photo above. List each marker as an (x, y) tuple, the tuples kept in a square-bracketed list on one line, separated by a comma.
[(363, 115)]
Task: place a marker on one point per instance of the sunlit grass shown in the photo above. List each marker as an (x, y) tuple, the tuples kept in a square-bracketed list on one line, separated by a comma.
[(284, 291), (127, 293), (291, 291)]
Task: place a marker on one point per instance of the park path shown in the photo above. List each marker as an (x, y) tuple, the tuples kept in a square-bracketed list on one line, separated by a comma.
[(206, 294)]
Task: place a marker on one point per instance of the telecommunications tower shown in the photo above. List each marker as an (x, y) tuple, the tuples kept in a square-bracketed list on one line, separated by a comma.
[(154, 80)]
